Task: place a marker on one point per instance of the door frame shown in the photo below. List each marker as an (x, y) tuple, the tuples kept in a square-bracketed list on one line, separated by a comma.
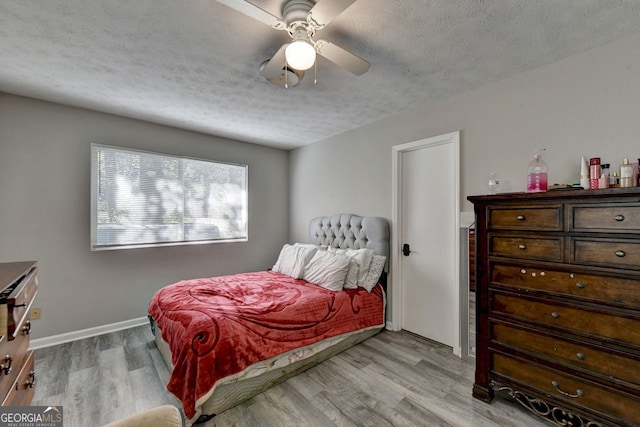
[(396, 290)]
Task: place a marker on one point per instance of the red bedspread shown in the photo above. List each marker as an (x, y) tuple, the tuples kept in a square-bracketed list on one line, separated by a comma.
[(219, 326)]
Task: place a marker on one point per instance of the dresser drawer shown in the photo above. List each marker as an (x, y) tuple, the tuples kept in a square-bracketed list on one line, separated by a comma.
[(606, 252), (23, 388), (543, 218), (625, 329), (609, 218), (569, 353), (12, 354), (536, 248), (568, 388), (19, 303), (605, 289)]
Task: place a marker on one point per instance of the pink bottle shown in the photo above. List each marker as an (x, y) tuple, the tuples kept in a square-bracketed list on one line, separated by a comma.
[(594, 172), (537, 174)]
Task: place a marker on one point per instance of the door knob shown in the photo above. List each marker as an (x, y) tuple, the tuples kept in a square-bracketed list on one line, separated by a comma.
[(406, 250)]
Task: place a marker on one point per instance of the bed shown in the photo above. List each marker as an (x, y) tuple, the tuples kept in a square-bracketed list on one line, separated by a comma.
[(226, 339)]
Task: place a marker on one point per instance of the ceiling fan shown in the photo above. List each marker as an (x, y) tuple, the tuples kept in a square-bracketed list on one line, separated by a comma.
[(301, 19)]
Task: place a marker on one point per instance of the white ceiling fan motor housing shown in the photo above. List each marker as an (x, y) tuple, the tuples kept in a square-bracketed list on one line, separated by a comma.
[(295, 11)]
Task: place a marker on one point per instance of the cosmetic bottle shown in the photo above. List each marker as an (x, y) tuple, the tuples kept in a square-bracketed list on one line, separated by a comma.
[(603, 182), (614, 182), (626, 174), (594, 172), (537, 174), (606, 170), (584, 174)]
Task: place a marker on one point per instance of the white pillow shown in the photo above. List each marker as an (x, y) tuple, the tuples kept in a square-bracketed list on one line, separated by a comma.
[(351, 281), (311, 245), (362, 258), (327, 269), (375, 270), (292, 260)]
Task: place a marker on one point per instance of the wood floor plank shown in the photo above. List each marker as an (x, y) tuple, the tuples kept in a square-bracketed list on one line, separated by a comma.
[(391, 379), (85, 353), (81, 404), (304, 406), (305, 386), (418, 415), (53, 366)]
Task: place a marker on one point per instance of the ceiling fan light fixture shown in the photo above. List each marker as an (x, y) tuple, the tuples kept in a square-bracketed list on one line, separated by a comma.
[(300, 55)]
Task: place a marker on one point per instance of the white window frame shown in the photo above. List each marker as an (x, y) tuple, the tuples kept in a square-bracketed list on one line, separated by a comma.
[(96, 246)]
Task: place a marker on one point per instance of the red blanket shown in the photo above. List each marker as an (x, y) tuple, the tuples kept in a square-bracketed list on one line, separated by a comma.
[(219, 326)]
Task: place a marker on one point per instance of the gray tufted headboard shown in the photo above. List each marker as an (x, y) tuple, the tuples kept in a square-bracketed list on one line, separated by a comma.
[(351, 231)]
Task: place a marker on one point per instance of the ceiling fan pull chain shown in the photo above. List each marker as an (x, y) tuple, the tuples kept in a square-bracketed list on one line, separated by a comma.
[(315, 73), (286, 73)]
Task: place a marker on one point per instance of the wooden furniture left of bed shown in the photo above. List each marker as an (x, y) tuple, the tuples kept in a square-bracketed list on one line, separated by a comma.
[(338, 231), (18, 288)]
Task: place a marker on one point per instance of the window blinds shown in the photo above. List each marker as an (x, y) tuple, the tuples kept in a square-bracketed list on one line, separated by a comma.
[(149, 199)]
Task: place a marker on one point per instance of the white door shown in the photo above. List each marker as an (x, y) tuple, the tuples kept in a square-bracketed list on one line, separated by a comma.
[(428, 225)]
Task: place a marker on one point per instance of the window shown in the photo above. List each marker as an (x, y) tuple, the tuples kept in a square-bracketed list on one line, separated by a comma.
[(141, 199)]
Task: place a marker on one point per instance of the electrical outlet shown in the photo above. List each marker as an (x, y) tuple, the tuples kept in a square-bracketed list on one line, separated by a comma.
[(36, 313)]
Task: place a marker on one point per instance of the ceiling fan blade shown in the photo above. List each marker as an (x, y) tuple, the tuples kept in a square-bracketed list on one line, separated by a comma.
[(342, 57), (275, 64), (255, 12), (325, 10)]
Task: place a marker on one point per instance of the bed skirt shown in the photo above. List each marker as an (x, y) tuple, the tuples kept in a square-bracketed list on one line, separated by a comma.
[(259, 377)]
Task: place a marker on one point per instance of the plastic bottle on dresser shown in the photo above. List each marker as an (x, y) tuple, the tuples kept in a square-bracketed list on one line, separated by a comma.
[(584, 174), (494, 184), (626, 174), (614, 182), (537, 174), (594, 172), (604, 177)]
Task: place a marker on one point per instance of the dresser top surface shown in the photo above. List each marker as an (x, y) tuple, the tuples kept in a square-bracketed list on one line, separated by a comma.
[(12, 271), (571, 194)]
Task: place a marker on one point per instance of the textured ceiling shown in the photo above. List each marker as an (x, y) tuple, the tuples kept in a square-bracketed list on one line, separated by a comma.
[(194, 64)]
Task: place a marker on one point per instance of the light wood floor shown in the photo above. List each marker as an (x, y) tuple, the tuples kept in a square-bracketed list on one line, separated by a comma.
[(391, 379)]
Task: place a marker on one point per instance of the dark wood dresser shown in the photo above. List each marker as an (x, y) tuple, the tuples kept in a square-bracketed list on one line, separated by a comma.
[(558, 303), (18, 288)]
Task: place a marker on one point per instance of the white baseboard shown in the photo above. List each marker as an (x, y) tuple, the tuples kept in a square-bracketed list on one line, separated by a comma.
[(86, 333), (104, 329), (389, 326)]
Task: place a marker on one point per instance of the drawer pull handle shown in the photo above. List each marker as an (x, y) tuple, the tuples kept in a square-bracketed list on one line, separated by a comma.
[(31, 382), (520, 217), (6, 365), (619, 218), (579, 393), (620, 253), (522, 246), (580, 356), (555, 315), (26, 329), (580, 285)]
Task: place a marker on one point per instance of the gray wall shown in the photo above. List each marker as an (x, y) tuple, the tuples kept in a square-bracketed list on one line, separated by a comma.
[(588, 104), (44, 194)]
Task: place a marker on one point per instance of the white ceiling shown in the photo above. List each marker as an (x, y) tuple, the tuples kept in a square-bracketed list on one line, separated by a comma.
[(193, 64)]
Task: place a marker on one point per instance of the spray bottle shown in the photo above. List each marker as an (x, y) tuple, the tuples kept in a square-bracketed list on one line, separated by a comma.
[(537, 174)]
